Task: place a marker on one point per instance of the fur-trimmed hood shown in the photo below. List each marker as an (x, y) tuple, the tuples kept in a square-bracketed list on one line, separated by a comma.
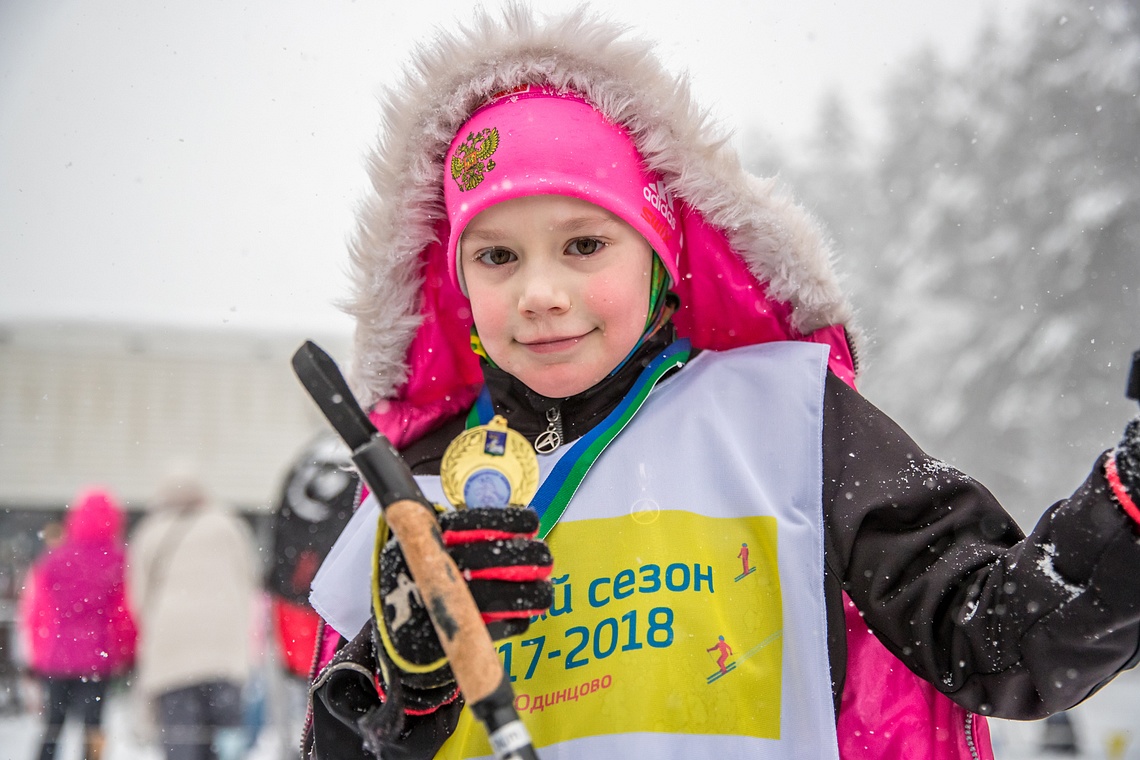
[(403, 220)]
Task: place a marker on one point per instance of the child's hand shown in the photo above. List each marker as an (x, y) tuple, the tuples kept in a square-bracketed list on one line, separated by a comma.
[(507, 570)]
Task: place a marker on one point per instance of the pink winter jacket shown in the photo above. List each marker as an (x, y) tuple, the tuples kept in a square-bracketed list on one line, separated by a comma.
[(74, 609)]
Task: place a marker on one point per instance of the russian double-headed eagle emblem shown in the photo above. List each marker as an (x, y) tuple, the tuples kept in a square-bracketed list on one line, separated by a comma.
[(472, 159)]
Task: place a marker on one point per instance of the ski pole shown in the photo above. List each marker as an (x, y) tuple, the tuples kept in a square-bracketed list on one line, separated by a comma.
[(449, 603)]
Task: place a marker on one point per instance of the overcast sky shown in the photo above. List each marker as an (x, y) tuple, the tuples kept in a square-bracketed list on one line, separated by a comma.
[(197, 162)]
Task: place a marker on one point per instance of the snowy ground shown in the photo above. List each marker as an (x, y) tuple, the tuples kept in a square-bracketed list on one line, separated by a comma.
[(20, 736), (1107, 728), (278, 738)]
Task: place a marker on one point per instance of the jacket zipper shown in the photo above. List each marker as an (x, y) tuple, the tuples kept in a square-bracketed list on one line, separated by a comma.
[(970, 736), (550, 439)]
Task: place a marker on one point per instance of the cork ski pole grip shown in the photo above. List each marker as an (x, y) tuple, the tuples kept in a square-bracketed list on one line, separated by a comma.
[(457, 619), (452, 609)]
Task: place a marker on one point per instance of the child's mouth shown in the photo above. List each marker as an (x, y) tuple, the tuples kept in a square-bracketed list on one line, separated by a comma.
[(551, 345)]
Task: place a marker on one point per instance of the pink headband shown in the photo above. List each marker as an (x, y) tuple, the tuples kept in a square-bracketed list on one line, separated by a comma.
[(535, 141)]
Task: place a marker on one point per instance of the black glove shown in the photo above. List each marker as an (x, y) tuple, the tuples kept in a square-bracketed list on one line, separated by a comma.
[(507, 570), (1127, 456)]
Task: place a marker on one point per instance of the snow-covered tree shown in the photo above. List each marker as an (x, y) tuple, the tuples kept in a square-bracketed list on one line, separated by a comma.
[(991, 238), (1007, 268)]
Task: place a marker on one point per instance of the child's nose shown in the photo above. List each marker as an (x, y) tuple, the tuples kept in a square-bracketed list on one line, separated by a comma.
[(543, 292)]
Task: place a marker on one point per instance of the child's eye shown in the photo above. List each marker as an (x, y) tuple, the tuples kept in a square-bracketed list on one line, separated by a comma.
[(584, 246), (495, 256)]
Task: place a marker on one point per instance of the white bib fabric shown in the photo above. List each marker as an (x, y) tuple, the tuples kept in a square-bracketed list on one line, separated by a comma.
[(689, 617)]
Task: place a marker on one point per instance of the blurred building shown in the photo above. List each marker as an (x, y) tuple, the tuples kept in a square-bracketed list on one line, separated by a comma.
[(83, 403)]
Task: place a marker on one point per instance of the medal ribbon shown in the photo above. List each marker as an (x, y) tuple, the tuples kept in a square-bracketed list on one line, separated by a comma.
[(561, 484)]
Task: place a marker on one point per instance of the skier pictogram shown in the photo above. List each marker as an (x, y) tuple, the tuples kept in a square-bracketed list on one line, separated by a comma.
[(746, 568), (725, 651)]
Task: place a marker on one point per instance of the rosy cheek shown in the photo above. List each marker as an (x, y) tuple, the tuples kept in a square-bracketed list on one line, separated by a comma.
[(489, 321), (620, 307), (604, 291)]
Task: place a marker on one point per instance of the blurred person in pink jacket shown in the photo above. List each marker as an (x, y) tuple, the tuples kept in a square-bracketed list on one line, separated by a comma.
[(78, 626)]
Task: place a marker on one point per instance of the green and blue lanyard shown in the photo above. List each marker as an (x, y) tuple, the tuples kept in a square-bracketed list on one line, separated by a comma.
[(562, 483)]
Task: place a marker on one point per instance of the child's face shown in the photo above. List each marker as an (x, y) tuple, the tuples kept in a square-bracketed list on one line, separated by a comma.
[(559, 289)]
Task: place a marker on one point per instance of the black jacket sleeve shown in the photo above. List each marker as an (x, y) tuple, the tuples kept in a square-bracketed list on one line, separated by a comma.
[(1005, 625)]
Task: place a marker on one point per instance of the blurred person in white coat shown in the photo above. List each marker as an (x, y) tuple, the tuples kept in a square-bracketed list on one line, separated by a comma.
[(193, 585)]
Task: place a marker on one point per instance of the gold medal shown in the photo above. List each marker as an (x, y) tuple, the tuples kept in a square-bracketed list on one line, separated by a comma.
[(489, 466)]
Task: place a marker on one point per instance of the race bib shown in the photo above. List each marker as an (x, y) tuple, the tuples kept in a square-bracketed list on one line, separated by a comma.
[(662, 622)]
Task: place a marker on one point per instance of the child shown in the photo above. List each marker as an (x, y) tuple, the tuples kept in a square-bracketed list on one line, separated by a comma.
[(548, 194)]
